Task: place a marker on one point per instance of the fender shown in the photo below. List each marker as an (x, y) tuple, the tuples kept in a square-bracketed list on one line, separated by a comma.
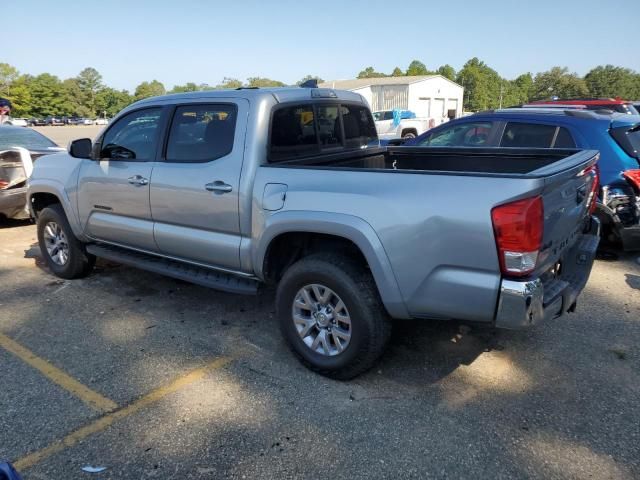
[(349, 227), (56, 188)]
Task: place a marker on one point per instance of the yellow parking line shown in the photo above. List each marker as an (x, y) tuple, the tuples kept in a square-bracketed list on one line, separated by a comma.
[(105, 421), (88, 396)]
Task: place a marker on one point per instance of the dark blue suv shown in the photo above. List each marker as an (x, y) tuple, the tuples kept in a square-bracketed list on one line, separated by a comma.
[(615, 135)]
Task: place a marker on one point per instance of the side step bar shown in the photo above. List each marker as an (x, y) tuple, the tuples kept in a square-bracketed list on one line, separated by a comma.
[(180, 270)]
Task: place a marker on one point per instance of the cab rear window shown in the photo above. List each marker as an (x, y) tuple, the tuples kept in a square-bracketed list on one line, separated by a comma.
[(311, 129)]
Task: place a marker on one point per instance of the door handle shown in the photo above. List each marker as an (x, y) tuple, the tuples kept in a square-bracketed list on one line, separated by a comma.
[(218, 187), (138, 180)]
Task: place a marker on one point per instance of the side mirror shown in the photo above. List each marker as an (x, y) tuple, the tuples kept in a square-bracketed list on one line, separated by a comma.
[(80, 148)]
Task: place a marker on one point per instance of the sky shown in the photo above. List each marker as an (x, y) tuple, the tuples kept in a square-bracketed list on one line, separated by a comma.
[(201, 41)]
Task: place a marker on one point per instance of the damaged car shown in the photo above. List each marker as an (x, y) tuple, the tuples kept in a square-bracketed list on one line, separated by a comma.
[(19, 148)]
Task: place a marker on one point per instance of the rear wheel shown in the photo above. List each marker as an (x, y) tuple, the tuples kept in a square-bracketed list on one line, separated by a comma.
[(331, 315), (407, 135), (64, 254)]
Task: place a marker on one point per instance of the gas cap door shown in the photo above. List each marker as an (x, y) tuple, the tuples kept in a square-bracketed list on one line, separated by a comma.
[(274, 196)]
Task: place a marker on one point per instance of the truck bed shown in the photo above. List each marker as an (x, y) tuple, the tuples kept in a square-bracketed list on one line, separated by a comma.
[(475, 161)]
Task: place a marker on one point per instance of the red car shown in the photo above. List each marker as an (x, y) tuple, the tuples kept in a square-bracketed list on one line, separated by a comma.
[(615, 104)]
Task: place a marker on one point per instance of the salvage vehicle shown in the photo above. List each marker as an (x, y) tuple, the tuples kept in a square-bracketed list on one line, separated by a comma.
[(406, 125), (19, 148), (234, 189), (615, 135), (614, 104)]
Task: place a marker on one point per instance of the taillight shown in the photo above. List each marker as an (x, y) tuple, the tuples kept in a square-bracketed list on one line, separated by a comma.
[(593, 194), (3, 184), (518, 228), (633, 176)]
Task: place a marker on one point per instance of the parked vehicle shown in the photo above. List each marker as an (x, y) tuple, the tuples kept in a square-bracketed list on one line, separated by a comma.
[(53, 121), (72, 120), (615, 104), (13, 176), (616, 136), (408, 126), (36, 122), (17, 122), (101, 121), (86, 121), (236, 189)]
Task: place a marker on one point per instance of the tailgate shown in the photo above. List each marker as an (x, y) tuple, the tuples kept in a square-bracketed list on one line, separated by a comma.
[(566, 198)]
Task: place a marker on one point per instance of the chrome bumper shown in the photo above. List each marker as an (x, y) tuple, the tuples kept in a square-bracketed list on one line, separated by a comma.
[(525, 303)]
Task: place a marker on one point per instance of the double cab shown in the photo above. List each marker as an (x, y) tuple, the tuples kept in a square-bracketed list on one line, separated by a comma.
[(235, 189)]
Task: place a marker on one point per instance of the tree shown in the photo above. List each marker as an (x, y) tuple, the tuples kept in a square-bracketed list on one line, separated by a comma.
[(369, 72), (187, 87), (306, 78), (47, 95), (8, 75), (482, 85), (149, 89), (417, 68), (110, 101), (519, 90), (610, 81), (263, 82), (20, 96), (75, 101), (447, 71), (89, 83), (558, 82), (230, 83), (397, 72)]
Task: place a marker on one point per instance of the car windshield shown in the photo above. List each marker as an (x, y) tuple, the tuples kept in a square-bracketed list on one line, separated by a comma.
[(23, 137)]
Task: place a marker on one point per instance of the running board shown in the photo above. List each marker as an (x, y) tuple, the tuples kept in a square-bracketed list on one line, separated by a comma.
[(172, 268)]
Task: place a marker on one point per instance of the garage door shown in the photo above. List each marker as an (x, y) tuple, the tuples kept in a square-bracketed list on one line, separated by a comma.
[(437, 108)]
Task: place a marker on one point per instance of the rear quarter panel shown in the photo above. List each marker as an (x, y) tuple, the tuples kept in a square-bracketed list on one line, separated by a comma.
[(435, 230)]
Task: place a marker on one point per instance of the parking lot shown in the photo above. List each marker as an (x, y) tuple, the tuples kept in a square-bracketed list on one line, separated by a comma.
[(155, 378)]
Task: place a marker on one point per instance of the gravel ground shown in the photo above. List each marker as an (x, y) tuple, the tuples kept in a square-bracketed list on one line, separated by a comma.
[(558, 401)]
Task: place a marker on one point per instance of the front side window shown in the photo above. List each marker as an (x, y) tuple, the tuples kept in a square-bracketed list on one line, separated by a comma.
[(472, 134), (133, 137), (201, 133)]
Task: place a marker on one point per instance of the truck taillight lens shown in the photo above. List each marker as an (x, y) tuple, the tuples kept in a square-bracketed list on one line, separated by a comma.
[(633, 176), (3, 184), (518, 229)]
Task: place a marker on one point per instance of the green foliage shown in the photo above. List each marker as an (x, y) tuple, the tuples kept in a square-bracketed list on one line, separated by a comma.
[(230, 83), (417, 68), (397, 72), (369, 72), (447, 71), (8, 75), (482, 85), (611, 81), (89, 83), (263, 82), (110, 101), (187, 87), (149, 89), (558, 82)]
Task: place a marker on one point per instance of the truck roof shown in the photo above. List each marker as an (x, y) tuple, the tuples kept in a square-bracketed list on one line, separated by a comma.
[(280, 94)]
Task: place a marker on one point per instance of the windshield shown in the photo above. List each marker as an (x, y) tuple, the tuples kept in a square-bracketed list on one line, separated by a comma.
[(23, 137)]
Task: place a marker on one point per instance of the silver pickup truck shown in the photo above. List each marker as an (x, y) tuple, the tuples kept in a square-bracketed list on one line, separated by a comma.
[(239, 188)]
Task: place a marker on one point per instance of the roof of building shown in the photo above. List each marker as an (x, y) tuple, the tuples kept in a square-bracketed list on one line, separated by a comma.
[(365, 82)]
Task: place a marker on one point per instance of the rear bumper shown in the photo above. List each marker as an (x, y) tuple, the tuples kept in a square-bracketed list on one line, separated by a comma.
[(13, 203), (525, 303)]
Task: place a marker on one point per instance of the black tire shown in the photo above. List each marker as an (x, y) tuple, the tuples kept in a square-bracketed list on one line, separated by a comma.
[(79, 263), (370, 323), (408, 135)]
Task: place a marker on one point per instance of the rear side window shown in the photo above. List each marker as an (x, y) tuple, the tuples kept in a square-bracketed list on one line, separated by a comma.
[(564, 139), (201, 133), (472, 134), (535, 135), (132, 137), (309, 129)]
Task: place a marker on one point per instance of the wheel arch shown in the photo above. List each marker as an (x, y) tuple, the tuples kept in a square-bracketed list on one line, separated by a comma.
[(41, 195), (328, 230)]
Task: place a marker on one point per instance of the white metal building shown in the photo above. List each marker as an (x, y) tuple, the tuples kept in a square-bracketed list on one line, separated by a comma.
[(431, 96)]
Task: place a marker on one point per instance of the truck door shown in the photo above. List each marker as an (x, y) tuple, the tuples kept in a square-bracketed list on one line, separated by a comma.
[(113, 191), (194, 192)]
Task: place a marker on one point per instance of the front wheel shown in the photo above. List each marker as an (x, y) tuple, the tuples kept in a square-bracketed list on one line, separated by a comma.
[(64, 254), (331, 315)]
